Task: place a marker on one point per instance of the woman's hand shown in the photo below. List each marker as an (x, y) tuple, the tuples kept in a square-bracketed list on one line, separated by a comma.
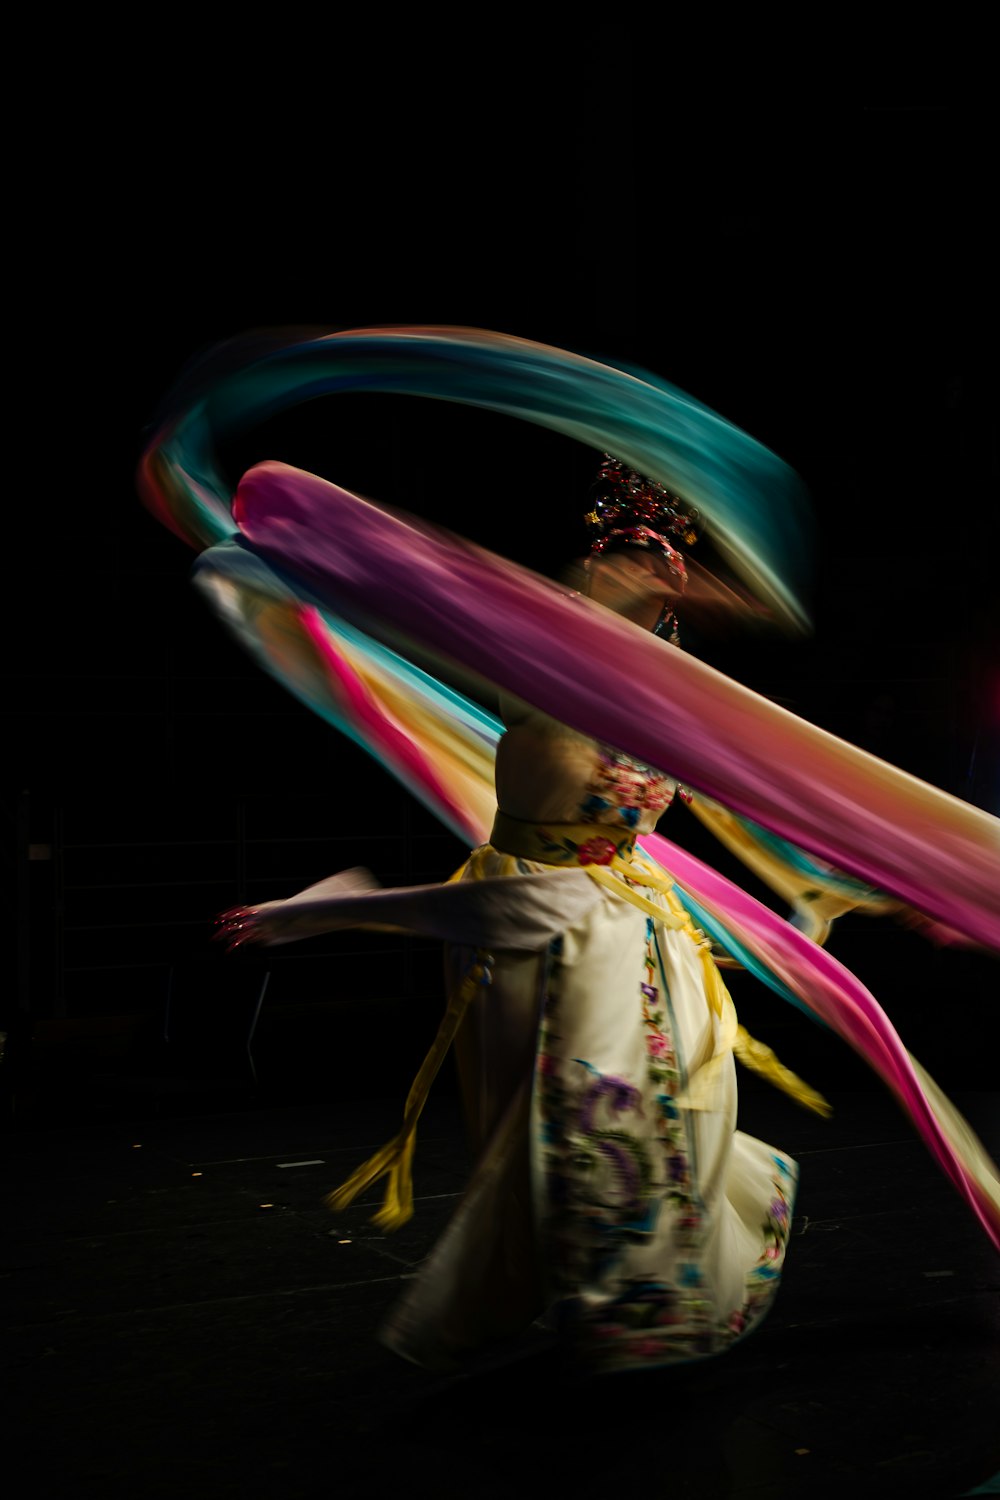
[(239, 926), (307, 914)]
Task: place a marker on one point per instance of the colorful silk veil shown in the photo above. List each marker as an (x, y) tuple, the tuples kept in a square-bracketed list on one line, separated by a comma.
[(398, 634)]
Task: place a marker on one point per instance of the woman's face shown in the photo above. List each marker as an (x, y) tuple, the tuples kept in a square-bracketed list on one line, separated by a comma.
[(635, 584)]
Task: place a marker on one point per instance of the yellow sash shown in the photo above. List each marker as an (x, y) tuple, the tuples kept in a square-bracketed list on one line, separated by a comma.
[(605, 854)]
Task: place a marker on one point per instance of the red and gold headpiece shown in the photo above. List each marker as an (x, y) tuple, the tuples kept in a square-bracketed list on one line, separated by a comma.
[(631, 511)]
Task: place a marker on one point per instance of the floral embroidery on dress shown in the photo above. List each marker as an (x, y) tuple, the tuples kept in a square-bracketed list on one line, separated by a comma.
[(627, 1205), (621, 790), (605, 1176), (597, 850), (663, 1073), (763, 1278), (609, 1179), (601, 1183)]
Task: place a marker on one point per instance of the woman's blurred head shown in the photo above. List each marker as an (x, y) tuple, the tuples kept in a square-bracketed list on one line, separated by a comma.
[(638, 583), (635, 567)]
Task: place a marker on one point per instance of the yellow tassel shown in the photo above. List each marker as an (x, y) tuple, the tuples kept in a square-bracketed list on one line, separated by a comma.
[(395, 1158), (603, 876), (759, 1057), (716, 992), (752, 1054), (818, 900), (369, 1172), (397, 1209)]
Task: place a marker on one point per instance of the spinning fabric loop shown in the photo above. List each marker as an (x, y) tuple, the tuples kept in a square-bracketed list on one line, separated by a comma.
[(367, 616)]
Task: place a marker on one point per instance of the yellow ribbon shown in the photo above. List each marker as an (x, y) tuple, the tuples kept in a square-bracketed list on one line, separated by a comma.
[(573, 844), (702, 1090), (395, 1158), (818, 899), (583, 844)]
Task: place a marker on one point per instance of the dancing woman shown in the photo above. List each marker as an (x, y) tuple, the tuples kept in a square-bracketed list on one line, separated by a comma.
[(613, 1193), (594, 1032)]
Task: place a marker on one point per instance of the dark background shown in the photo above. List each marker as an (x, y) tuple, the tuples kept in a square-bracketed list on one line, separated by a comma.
[(822, 276)]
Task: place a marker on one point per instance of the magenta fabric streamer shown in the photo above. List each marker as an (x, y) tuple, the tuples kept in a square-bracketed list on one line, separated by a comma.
[(471, 618), (835, 994), (393, 746), (463, 605)]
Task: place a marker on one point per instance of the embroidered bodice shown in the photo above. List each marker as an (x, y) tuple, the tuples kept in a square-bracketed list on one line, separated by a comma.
[(547, 772)]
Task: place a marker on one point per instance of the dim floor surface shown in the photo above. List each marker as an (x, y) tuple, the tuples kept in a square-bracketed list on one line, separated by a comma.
[(183, 1316)]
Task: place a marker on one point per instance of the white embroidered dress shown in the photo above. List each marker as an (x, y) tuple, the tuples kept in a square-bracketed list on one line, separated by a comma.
[(612, 1192)]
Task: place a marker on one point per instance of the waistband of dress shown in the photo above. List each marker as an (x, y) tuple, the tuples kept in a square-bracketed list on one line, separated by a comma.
[(562, 843)]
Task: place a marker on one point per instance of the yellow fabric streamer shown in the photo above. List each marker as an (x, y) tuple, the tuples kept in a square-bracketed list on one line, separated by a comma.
[(567, 844), (561, 845), (603, 876), (817, 900), (732, 1037), (395, 1158), (760, 1059)]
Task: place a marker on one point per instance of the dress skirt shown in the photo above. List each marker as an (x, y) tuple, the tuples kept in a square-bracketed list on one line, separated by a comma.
[(612, 1196)]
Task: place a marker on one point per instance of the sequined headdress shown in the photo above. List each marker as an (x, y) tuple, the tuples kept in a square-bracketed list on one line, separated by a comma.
[(631, 511)]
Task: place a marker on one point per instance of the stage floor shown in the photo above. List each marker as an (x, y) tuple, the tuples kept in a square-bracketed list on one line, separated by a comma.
[(183, 1315)]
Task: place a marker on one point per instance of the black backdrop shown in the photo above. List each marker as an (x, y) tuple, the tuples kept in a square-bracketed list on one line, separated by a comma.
[(822, 277)]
